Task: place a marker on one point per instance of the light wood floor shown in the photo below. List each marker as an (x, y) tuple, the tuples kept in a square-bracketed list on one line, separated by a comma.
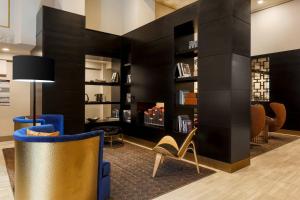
[(274, 175)]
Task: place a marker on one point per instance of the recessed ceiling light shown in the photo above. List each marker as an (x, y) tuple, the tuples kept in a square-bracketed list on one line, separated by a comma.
[(260, 1), (5, 49)]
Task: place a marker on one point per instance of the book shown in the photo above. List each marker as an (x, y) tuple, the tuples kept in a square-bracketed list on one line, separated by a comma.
[(185, 124), (195, 66), (186, 72), (183, 70)]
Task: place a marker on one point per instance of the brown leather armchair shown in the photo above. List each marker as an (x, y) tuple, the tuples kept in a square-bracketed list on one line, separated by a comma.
[(258, 120), (280, 116)]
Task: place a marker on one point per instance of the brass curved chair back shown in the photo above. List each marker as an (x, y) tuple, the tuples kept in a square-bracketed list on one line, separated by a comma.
[(258, 120), (186, 143), (57, 170), (277, 123)]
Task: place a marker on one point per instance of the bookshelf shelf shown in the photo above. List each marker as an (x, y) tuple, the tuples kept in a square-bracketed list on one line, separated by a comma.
[(187, 53), (102, 83), (100, 103), (186, 106), (186, 79)]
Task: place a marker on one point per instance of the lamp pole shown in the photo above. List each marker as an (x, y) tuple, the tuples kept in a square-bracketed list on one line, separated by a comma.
[(34, 103)]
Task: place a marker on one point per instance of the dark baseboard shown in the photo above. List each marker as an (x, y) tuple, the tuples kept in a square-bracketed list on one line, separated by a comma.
[(227, 167)]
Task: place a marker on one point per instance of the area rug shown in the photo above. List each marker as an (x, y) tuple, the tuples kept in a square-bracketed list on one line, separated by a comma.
[(275, 140), (131, 170)]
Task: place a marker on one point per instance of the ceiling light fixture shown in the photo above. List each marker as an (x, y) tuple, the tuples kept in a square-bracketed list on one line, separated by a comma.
[(260, 1), (5, 49)]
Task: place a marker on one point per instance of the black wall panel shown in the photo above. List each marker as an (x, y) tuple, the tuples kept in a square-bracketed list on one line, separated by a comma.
[(62, 40)]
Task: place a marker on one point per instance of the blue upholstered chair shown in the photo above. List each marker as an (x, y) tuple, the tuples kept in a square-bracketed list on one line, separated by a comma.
[(67, 167), (56, 120)]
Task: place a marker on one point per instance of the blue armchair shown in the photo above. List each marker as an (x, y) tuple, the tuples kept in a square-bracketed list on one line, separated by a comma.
[(56, 120), (66, 167)]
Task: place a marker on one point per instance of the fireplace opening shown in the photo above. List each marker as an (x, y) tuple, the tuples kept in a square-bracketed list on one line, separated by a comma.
[(152, 114)]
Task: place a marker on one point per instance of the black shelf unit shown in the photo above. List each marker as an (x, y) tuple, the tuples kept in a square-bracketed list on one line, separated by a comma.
[(183, 34), (102, 83), (125, 85)]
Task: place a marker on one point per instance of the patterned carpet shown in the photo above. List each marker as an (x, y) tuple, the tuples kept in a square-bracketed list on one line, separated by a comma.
[(131, 170), (275, 140)]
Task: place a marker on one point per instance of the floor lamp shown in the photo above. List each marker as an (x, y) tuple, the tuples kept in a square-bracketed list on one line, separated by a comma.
[(33, 69)]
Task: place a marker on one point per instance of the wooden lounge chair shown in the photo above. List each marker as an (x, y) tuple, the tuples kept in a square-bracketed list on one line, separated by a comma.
[(167, 146)]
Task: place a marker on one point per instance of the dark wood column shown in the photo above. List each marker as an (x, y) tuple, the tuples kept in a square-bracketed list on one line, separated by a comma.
[(224, 80), (60, 35)]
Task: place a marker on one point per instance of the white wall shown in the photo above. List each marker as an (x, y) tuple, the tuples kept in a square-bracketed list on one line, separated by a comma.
[(276, 29), (73, 6), (138, 13), (19, 98), (118, 16)]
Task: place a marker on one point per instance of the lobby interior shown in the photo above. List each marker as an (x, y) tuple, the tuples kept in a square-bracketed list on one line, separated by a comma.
[(149, 99)]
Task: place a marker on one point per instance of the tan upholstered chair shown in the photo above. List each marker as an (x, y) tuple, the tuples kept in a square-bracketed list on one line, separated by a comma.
[(258, 121), (167, 146), (277, 123)]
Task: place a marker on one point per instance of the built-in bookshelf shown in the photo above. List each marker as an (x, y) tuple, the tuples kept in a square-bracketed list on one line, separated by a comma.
[(102, 89), (126, 82), (186, 77)]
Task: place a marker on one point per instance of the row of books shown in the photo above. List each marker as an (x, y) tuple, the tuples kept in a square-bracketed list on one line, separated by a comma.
[(185, 124), (186, 97), (184, 69)]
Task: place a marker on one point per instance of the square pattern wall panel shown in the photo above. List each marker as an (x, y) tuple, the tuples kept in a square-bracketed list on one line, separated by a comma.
[(260, 71)]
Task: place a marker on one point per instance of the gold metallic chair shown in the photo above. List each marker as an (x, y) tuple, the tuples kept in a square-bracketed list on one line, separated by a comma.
[(167, 146), (66, 167)]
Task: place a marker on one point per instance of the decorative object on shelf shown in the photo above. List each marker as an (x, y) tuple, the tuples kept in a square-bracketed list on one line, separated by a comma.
[(115, 113), (195, 66), (185, 124), (128, 98), (127, 115), (193, 44), (186, 97), (33, 69), (183, 70), (93, 120), (115, 77), (155, 116), (128, 79), (99, 97), (87, 98), (260, 68), (4, 92)]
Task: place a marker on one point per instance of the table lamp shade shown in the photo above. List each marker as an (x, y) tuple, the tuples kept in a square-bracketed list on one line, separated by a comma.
[(33, 68)]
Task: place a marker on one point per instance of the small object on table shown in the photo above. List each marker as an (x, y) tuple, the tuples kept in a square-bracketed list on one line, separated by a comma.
[(93, 120), (111, 133)]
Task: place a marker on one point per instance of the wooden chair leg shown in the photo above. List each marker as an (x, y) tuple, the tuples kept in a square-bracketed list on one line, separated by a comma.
[(195, 156), (156, 164), (162, 160)]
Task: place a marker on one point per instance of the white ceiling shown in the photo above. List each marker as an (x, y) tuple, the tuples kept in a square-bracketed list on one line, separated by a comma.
[(267, 4), (176, 4)]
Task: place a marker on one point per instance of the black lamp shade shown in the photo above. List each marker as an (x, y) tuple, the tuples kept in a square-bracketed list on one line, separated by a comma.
[(33, 68)]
